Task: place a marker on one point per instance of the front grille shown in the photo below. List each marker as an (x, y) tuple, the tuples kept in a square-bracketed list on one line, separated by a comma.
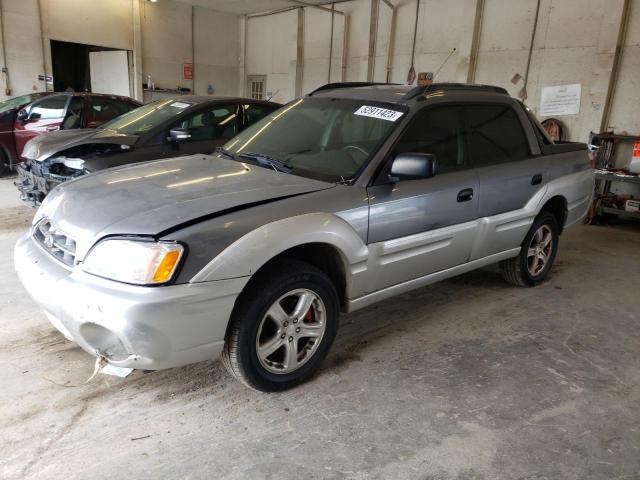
[(59, 245)]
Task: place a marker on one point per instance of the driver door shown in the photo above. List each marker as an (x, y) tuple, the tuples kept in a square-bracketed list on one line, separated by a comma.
[(418, 227)]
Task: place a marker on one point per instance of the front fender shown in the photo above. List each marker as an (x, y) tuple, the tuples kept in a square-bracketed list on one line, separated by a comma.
[(250, 252)]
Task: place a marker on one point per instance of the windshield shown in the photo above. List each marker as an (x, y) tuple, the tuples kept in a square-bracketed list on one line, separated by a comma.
[(14, 103), (147, 117), (322, 138)]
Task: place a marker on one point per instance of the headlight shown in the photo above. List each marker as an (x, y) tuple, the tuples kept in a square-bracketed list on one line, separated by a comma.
[(134, 261)]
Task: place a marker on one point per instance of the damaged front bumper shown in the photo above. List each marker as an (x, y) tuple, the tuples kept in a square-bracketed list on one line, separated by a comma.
[(35, 181), (130, 326)]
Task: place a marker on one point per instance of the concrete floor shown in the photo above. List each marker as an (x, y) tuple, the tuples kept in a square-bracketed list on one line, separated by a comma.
[(470, 378)]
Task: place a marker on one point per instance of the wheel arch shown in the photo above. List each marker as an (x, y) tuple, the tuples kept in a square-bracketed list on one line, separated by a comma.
[(324, 240), (557, 206)]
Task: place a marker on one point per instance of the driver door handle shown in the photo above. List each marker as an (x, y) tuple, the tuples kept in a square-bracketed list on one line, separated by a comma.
[(465, 195)]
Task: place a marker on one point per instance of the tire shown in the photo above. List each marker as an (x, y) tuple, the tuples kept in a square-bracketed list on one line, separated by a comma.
[(4, 164), (521, 270), (265, 320)]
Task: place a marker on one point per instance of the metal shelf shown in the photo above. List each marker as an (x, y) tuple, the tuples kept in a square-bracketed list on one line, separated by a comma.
[(620, 212)]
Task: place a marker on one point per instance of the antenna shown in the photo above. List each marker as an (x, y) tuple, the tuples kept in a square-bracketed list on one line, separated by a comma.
[(443, 63)]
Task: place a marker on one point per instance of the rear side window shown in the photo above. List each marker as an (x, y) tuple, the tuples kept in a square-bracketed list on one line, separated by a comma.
[(438, 131), (50, 107), (255, 112), (494, 135), (104, 109)]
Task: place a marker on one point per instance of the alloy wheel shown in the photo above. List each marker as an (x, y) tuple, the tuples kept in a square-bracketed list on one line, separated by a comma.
[(539, 251), (291, 331)]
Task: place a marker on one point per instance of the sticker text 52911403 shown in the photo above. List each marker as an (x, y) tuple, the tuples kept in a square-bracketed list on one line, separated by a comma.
[(377, 112)]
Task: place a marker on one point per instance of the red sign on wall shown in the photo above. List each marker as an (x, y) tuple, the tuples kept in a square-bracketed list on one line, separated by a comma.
[(187, 71)]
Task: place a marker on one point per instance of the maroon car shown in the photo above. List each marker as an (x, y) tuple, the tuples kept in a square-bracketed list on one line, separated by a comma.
[(23, 118)]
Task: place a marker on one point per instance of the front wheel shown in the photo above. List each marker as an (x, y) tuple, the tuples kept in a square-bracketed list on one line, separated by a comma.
[(283, 327), (537, 254)]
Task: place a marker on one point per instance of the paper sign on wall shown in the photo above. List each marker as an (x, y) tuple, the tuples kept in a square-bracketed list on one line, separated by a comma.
[(560, 100)]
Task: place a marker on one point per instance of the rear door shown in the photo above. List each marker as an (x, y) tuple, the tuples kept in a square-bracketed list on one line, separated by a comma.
[(417, 227), (510, 173), (45, 115), (209, 127)]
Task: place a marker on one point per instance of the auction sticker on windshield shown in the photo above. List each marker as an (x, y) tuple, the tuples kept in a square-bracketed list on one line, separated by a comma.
[(377, 112), (180, 105)]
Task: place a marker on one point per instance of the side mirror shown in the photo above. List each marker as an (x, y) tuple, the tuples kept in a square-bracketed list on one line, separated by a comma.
[(34, 116), (179, 134), (413, 166)]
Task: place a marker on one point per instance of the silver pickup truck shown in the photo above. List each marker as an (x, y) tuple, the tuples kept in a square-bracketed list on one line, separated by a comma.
[(345, 197)]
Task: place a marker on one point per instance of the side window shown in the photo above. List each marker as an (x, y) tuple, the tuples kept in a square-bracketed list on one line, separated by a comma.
[(104, 109), (50, 108), (438, 131), (255, 112), (219, 121), (73, 118), (495, 135)]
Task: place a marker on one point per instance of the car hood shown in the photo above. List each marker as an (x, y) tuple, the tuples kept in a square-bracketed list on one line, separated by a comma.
[(153, 197), (44, 146)]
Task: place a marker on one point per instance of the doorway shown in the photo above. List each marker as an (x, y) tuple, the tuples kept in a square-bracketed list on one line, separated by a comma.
[(90, 68)]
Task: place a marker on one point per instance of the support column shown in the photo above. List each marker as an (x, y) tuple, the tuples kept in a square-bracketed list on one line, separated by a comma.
[(300, 54), (137, 50)]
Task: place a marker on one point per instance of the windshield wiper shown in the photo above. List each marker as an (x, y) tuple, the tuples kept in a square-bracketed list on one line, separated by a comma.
[(267, 161), (225, 153)]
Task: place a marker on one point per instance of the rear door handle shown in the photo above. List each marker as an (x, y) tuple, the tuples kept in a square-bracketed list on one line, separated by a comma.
[(51, 129), (465, 195), (536, 179)]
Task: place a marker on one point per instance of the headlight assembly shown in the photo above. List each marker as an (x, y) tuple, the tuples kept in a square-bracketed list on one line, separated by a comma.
[(134, 261)]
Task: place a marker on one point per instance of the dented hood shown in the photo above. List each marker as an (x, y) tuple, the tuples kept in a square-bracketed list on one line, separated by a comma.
[(44, 146), (152, 197)]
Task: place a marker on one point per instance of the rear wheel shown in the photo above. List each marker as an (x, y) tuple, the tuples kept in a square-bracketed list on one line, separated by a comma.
[(283, 327), (537, 254)]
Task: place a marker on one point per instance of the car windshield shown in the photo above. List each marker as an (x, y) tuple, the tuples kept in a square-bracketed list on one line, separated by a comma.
[(14, 103), (322, 138), (147, 117)]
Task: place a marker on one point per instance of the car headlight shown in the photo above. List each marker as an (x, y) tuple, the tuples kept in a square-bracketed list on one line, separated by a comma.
[(134, 261)]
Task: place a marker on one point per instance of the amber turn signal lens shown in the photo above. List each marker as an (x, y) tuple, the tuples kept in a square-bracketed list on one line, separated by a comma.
[(166, 266)]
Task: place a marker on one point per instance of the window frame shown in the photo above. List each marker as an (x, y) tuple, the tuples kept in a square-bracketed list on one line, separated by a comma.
[(525, 134), (382, 177)]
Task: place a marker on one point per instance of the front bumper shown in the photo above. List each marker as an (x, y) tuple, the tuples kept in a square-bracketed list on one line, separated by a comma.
[(131, 326), (33, 187)]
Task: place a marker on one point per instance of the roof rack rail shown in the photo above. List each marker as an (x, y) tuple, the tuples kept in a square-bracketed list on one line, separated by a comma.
[(424, 89), (332, 86)]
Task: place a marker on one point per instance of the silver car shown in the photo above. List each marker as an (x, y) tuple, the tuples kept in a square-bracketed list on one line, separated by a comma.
[(348, 196)]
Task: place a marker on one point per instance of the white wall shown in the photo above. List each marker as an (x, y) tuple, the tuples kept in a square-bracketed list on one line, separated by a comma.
[(625, 115), (271, 51), (165, 40), (217, 52), (575, 43)]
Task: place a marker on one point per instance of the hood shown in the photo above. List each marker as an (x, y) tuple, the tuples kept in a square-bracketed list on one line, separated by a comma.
[(151, 197), (44, 146)]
